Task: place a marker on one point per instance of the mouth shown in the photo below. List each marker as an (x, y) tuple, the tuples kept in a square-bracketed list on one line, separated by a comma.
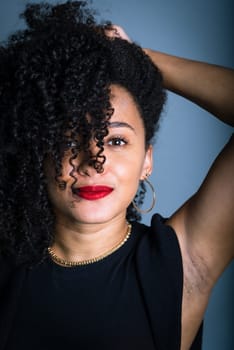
[(92, 192)]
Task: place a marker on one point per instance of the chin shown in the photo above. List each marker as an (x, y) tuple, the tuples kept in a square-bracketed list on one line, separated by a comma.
[(91, 215), (91, 212)]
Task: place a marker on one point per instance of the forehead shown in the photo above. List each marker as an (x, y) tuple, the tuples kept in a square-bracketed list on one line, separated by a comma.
[(125, 108)]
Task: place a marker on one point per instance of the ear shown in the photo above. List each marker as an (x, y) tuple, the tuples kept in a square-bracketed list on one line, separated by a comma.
[(148, 163)]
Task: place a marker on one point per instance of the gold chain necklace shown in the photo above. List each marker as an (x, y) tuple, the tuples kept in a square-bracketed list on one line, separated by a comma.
[(67, 263)]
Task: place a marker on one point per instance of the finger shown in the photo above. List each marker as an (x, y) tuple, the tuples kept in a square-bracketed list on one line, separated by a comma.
[(117, 32)]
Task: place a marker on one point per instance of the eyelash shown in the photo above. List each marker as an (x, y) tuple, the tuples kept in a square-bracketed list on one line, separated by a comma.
[(118, 139)]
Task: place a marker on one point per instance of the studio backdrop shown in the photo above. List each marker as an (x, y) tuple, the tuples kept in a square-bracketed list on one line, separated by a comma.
[(188, 139)]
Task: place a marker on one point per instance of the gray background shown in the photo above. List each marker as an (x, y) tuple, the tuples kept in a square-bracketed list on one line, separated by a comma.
[(189, 138)]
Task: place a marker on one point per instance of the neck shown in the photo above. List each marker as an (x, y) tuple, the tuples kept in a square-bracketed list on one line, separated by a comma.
[(87, 241)]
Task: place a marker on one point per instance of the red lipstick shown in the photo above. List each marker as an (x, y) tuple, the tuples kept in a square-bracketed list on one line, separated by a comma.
[(93, 192)]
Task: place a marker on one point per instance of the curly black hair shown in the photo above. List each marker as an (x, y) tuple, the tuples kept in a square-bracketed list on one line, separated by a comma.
[(52, 75)]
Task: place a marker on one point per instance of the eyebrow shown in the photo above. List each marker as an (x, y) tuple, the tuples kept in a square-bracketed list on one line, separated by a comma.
[(120, 125)]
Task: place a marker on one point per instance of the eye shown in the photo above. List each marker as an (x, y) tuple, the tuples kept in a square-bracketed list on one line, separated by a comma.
[(117, 141), (66, 146), (71, 144)]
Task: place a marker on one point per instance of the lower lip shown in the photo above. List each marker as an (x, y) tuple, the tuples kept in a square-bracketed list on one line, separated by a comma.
[(93, 193)]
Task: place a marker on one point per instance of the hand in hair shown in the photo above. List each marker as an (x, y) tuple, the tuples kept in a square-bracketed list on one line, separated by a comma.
[(114, 31)]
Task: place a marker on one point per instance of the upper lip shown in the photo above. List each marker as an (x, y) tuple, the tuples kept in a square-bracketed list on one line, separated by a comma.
[(93, 188)]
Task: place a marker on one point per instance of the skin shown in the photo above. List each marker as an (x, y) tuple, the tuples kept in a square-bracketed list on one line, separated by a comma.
[(79, 234), (206, 240), (204, 224)]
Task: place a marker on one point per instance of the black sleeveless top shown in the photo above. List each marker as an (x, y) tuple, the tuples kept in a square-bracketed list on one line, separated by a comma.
[(129, 300)]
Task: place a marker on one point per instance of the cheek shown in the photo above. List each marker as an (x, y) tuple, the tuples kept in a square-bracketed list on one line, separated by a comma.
[(52, 183), (65, 171), (129, 169)]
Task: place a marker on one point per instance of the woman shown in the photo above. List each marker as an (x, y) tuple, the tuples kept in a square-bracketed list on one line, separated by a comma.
[(79, 109)]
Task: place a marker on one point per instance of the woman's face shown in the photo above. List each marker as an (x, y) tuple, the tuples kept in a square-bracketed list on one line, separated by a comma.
[(100, 197)]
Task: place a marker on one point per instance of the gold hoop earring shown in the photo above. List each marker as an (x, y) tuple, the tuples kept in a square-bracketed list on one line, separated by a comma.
[(145, 211)]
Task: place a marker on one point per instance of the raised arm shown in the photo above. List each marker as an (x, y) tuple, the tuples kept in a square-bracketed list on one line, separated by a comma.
[(209, 86), (207, 216), (205, 223)]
